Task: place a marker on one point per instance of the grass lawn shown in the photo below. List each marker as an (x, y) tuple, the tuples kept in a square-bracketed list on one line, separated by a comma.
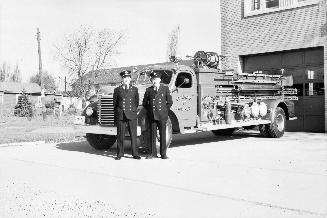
[(53, 129)]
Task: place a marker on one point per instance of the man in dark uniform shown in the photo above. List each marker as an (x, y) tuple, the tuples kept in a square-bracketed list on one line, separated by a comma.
[(126, 101), (157, 100)]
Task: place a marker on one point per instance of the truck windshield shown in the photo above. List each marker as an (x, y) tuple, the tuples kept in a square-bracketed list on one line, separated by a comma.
[(144, 77)]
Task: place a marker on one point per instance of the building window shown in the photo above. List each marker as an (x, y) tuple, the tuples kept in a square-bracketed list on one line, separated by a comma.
[(272, 3), (314, 89), (254, 7)]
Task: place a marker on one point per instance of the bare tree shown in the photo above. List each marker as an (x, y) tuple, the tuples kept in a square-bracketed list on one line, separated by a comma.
[(107, 42), (9, 75), (5, 72), (84, 50), (173, 38), (16, 74)]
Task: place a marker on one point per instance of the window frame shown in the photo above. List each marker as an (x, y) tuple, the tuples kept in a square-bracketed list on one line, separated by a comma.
[(249, 8), (191, 80)]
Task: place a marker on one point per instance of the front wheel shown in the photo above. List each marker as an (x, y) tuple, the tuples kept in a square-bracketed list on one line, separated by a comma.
[(101, 142), (169, 135), (145, 138)]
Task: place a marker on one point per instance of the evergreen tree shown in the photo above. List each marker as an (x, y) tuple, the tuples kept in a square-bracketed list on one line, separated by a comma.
[(24, 106)]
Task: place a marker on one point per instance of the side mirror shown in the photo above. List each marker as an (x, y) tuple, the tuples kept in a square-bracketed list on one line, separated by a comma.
[(186, 81)]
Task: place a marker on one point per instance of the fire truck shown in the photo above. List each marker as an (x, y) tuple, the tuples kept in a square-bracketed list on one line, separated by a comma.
[(205, 98)]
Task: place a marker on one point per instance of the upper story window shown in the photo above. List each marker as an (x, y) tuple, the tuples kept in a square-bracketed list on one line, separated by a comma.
[(254, 7)]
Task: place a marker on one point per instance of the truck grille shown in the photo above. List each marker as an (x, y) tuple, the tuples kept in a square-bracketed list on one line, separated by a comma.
[(106, 110)]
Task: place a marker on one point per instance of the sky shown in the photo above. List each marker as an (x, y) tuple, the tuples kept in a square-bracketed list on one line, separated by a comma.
[(147, 24)]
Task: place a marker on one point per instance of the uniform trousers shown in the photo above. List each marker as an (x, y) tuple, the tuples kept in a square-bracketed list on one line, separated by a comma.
[(161, 125), (132, 129)]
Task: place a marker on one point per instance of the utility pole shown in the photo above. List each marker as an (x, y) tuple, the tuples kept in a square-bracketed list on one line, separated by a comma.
[(40, 59), (65, 84)]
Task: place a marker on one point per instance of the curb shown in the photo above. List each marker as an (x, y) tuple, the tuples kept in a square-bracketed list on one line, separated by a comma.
[(16, 144)]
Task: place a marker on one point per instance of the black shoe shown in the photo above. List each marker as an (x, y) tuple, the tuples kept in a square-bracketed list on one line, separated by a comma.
[(137, 157), (164, 157), (118, 158)]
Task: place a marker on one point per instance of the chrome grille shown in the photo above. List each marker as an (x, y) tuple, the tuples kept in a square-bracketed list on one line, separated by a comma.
[(106, 110)]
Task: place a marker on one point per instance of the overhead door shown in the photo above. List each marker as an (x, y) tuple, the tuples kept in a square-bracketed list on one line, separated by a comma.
[(306, 66)]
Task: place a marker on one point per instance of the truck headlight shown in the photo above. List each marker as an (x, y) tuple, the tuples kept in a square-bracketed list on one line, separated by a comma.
[(89, 111)]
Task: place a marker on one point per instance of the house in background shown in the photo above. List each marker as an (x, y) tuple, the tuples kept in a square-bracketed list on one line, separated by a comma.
[(270, 35), (10, 92)]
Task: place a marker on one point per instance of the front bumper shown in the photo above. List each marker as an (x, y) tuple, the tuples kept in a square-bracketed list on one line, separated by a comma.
[(105, 130)]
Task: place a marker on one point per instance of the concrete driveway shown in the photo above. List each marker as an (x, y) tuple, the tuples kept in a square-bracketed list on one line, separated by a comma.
[(205, 176)]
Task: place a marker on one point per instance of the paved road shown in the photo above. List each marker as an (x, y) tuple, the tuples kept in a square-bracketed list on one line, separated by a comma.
[(206, 176)]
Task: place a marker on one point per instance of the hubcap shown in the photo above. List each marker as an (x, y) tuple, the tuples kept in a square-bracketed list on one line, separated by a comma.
[(280, 122)]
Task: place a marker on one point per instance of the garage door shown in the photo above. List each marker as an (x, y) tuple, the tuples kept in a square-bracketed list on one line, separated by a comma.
[(306, 66)]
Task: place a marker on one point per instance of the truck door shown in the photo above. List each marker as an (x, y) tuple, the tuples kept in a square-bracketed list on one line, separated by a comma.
[(184, 95)]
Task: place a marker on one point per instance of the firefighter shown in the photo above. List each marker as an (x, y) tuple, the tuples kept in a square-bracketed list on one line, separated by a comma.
[(126, 101), (157, 100)]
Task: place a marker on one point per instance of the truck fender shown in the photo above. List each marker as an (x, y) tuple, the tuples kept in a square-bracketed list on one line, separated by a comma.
[(174, 120), (272, 105)]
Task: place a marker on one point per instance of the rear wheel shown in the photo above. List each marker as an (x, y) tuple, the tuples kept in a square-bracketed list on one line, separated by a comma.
[(101, 142), (225, 132), (277, 127)]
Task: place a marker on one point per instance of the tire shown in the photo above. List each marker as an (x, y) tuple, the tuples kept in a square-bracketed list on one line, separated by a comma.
[(145, 138), (264, 130), (277, 127), (169, 135), (225, 132), (101, 142)]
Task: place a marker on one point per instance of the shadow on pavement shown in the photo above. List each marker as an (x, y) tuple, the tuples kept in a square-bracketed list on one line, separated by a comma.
[(84, 146), (178, 141), (207, 137)]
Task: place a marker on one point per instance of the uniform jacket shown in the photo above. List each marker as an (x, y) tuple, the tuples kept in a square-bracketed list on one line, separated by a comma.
[(126, 102), (158, 104)]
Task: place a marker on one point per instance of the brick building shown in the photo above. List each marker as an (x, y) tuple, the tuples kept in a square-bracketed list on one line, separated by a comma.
[(270, 35)]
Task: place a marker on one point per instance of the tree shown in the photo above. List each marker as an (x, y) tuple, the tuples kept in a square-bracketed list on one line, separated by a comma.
[(84, 50), (173, 38), (5, 71), (24, 106), (47, 79), (16, 74), (7, 75)]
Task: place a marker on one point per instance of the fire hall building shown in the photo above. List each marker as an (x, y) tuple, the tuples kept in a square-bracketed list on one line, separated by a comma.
[(271, 35)]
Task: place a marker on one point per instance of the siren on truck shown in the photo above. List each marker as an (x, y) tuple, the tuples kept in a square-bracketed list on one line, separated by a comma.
[(208, 59)]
